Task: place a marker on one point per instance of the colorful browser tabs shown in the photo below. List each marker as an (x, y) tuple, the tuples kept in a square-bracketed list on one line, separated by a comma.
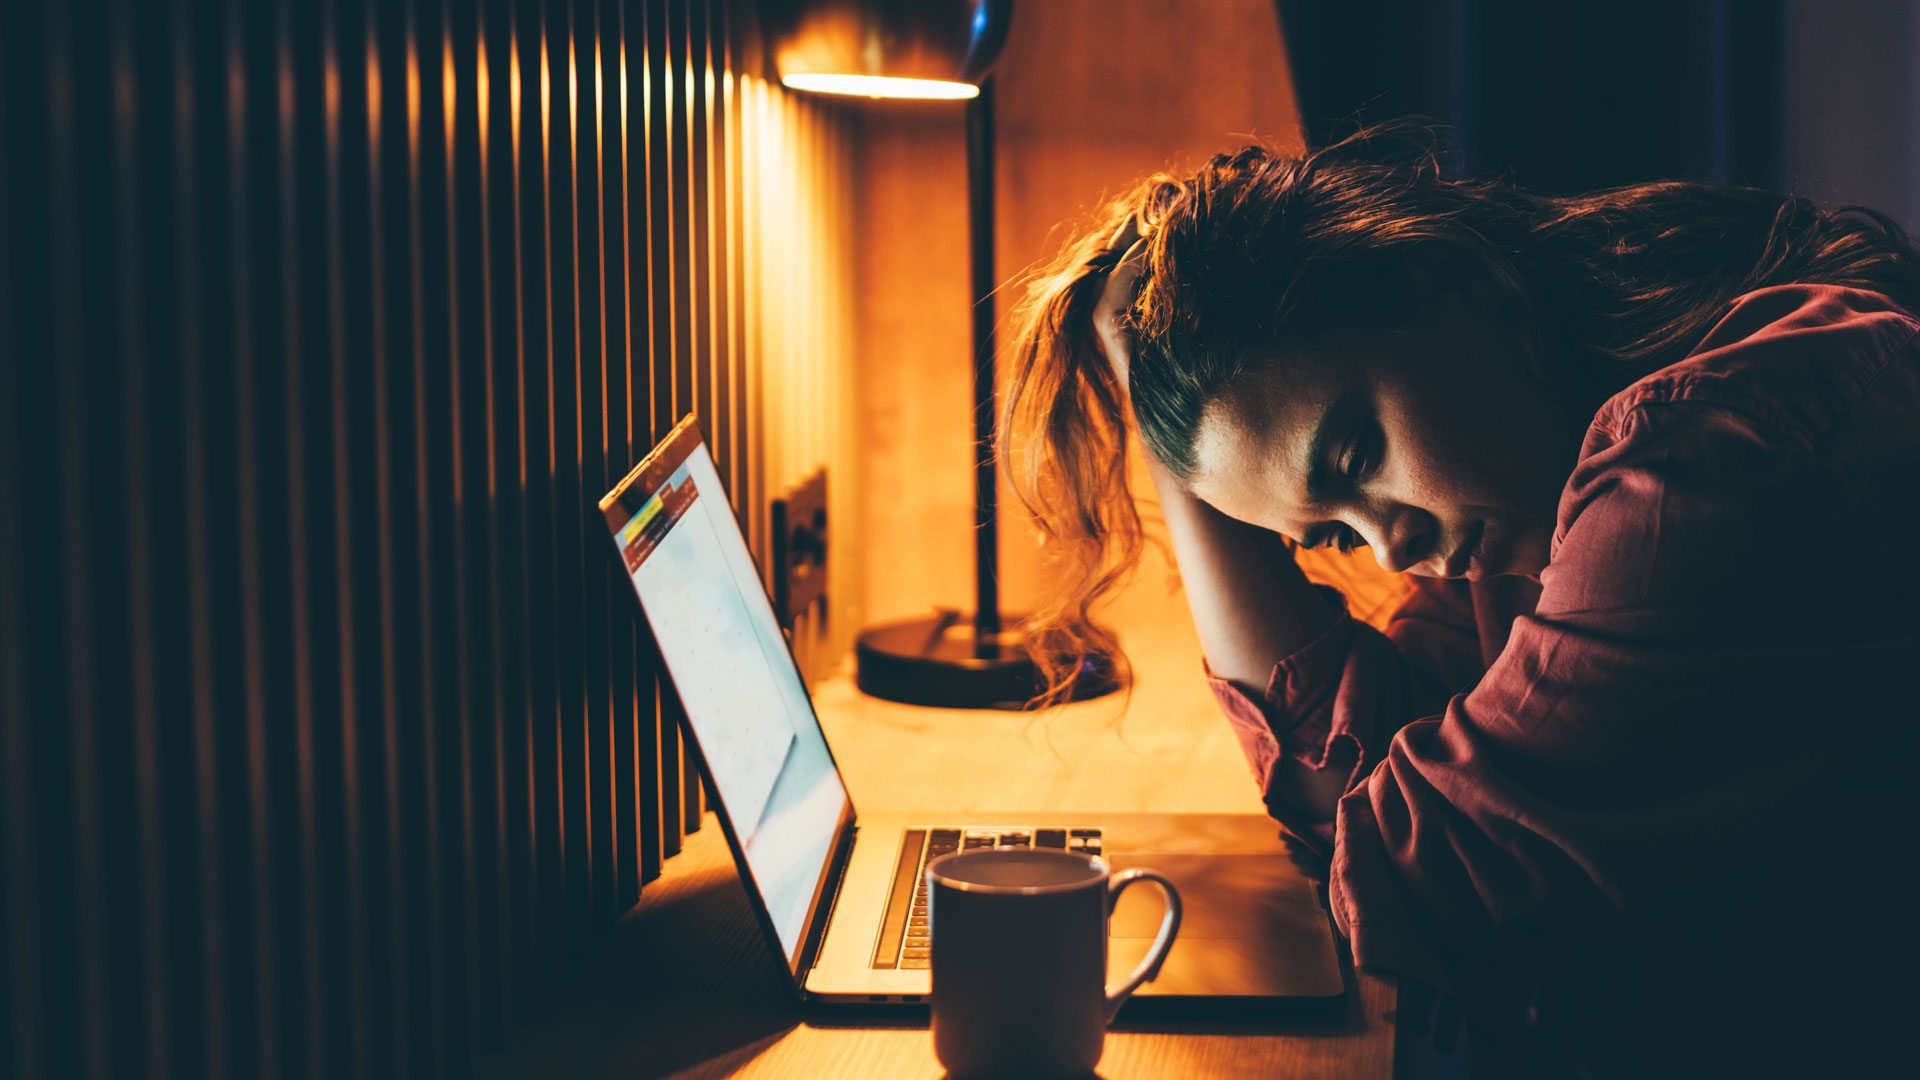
[(639, 521)]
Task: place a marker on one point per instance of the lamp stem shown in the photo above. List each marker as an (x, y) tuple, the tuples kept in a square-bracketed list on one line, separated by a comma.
[(980, 226)]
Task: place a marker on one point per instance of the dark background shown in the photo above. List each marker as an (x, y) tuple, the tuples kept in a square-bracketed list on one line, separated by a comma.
[(1813, 96)]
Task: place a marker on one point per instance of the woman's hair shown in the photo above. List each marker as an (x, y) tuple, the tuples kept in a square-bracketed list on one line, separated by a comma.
[(1260, 249)]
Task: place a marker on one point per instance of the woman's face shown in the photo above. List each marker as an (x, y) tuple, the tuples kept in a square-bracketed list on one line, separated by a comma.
[(1429, 444)]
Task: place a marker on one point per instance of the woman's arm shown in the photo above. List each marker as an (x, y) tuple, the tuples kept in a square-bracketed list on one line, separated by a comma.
[(1251, 604), (1252, 608), (1683, 706)]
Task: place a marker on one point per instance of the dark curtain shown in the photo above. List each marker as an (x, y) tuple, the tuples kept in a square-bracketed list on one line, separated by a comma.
[(1563, 96)]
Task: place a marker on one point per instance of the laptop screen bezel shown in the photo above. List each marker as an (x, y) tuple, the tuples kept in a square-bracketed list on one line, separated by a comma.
[(651, 474)]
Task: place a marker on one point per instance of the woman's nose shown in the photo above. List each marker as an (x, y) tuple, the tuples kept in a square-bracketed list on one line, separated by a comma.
[(1401, 539)]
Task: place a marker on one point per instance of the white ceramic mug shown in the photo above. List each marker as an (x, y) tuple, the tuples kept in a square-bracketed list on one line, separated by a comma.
[(1020, 959)]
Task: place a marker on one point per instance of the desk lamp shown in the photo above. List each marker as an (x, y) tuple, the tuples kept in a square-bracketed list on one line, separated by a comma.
[(940, 49)]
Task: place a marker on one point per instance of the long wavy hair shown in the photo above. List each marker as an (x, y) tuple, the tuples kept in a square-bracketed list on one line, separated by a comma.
[(1259, 249)]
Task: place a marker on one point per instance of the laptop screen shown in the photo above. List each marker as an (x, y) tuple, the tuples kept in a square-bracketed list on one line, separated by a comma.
[(736, 678)]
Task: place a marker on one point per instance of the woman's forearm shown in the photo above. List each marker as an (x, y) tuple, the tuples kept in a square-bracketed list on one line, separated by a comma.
[(1253, 607), (1251, 604)]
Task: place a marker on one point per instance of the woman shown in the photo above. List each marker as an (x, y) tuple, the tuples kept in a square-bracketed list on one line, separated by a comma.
[(1622, 778)]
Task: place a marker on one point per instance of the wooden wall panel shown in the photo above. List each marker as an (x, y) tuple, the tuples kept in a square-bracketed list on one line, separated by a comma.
[(328, 737)]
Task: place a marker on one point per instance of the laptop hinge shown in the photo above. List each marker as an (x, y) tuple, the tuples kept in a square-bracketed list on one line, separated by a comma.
[(837, 874)]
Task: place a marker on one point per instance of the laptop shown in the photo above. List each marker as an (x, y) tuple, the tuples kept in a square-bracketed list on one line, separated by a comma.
[(840, 895)]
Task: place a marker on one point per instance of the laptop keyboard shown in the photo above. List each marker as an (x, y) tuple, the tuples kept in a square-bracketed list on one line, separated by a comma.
[(906, 939)]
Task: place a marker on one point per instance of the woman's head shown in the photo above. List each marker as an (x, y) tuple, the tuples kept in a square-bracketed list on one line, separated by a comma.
[(1348, 347), (1428, 442)]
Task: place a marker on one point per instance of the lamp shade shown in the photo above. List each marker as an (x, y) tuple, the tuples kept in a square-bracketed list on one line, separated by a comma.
[(886, 48)]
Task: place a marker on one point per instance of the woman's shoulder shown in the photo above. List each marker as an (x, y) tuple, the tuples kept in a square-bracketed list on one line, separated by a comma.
[(1799, 411), (1793, 358)]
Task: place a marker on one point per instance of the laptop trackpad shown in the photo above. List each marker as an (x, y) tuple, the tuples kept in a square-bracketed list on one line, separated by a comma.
[(1250, 924)]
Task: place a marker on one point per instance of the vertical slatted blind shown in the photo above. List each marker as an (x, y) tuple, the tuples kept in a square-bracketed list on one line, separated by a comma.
[(328, 735)]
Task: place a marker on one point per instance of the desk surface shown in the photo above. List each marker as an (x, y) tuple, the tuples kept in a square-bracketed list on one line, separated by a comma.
[(686, 988)]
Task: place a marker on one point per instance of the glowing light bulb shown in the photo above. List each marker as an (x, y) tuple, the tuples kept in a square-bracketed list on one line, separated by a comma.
[(881, 86)]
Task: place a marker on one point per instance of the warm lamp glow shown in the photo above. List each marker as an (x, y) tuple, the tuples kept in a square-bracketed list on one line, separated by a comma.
[(881, 86)]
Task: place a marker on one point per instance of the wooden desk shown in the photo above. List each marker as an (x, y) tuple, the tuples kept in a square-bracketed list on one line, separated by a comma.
[(685, 987)]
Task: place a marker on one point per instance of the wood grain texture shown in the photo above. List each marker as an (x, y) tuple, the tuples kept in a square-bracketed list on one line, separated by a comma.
[(686, 987)]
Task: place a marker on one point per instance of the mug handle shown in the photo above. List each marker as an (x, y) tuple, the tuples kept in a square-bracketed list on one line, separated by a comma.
[(1162, 942)]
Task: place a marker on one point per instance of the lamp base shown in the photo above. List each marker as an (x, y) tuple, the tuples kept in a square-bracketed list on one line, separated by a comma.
[(934, 661)]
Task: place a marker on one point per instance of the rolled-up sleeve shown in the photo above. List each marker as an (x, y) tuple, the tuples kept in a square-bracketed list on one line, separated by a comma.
[(1353, 685)]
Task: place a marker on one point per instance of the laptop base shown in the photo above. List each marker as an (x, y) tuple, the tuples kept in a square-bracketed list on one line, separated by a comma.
[(1254, 928)]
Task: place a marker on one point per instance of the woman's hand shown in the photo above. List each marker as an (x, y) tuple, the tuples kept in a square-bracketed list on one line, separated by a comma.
[(1118, 296)]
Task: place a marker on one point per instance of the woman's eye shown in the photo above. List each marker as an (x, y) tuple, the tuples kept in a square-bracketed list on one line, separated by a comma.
[(1339, 538), (1360, 456)]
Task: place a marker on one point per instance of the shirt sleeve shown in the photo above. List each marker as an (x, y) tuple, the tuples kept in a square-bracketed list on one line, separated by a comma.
[(1662, 717), (1353, 685)]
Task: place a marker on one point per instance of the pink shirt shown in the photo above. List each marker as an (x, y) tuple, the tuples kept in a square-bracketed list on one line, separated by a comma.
[(1694, 727)]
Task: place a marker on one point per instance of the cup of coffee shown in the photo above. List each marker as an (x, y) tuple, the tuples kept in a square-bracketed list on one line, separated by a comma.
[(1020, 959)]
